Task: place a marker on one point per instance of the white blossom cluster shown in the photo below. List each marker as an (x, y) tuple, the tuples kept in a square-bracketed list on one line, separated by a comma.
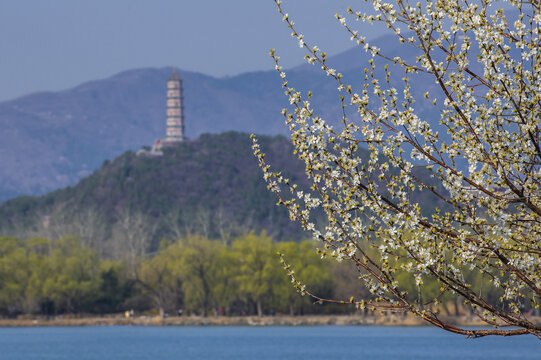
[(487, 68)]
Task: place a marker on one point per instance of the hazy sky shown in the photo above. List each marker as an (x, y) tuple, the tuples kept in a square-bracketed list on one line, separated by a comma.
[(57, 44)]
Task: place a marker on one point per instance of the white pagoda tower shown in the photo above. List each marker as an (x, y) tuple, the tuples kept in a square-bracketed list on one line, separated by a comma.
[(175, 110), (174, 118)]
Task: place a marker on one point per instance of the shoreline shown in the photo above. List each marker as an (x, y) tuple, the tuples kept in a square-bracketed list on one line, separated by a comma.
[(278, 320)]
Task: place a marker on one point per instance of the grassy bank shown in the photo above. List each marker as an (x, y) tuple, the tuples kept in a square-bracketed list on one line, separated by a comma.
[(282, 320)]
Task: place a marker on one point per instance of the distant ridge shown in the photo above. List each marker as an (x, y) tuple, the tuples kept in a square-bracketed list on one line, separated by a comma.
[(53, 139)]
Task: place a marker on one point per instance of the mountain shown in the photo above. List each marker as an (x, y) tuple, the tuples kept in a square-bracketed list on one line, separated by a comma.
[(53, 139)]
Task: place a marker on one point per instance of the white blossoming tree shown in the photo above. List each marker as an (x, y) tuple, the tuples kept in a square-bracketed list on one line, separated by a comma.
[(482, 150)]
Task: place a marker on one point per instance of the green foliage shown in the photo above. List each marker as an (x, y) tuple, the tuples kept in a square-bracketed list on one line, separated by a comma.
[(309, 269), (114, 289), (196, 274), (198, 262), (257, 270), (36, 273), (74, 276), (161, 281)]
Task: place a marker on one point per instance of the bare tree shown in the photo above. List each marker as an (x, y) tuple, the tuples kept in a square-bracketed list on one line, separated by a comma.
[(131, 236), (176, 227)]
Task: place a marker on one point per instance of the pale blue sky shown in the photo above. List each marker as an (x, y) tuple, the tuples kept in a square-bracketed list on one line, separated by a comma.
[(57, 44)]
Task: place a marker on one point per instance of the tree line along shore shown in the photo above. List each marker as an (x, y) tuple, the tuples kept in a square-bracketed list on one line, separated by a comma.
[(194, 276)]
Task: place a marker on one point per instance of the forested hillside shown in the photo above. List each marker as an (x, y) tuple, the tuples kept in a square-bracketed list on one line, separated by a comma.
[(211, 186)]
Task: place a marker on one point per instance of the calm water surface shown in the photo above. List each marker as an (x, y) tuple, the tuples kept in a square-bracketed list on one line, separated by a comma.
[(238, 342)]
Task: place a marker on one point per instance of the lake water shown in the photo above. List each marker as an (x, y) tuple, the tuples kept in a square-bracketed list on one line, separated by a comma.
[(239, 342)]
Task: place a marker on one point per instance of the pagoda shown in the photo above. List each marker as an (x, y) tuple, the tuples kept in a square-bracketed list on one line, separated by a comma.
[(174, 132), (175, 110)]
